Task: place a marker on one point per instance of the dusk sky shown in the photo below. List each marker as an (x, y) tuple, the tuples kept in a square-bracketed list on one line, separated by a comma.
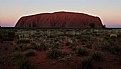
[(108, 10)]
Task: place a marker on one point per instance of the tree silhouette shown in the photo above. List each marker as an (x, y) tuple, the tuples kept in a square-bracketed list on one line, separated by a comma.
[(104, 26)]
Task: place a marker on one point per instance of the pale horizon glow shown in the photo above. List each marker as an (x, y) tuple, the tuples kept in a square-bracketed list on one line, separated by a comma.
[(108, 10)]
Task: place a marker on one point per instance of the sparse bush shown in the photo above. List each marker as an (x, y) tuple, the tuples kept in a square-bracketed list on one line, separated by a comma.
[(45, 47), (7, 35), (55, 46), (2, 60), (36, 47), (105, 46), (69, 43), (111, 46), (18, 56), (116, 50), (22, 62), (22, 48), (41, 47), (86, 63), (72, 46), (89, 44), (23, 41), (85, 38), (97, 56), (81, 51), (30, 53), (52, 53)]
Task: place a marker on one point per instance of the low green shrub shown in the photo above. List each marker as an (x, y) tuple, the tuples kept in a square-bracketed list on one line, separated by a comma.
[(111, 46), (23, 41), (89, 44), (81, 51), (18, 56), (2, 60), (36, 47), (52, 53), (97, 56), (22, 48), (73, 47), (116, 50), (43, 46), (21, 61), (24, 64), (55, 46), (30, 53)]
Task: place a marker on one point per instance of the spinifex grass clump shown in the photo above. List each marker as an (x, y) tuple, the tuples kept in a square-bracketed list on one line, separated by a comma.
[(97, 56), (39, 47), (30, 53), (23, 41), (6, 35), (2, 60), (81, 51), (53, 53), (22, 48), (116, 51), (87, 40), (111, 46), (24, 64), (22, 61)]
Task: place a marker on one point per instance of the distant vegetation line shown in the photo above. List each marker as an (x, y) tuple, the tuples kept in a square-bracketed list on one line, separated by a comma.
[(50, 28)]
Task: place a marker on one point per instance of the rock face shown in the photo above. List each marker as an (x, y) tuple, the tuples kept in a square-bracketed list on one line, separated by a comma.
[(59, 20)]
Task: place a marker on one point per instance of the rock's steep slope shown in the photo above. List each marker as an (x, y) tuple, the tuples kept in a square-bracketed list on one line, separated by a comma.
[(59, 20)]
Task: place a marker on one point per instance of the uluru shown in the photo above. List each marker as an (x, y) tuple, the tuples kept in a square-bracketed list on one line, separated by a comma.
[(59, 19)]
